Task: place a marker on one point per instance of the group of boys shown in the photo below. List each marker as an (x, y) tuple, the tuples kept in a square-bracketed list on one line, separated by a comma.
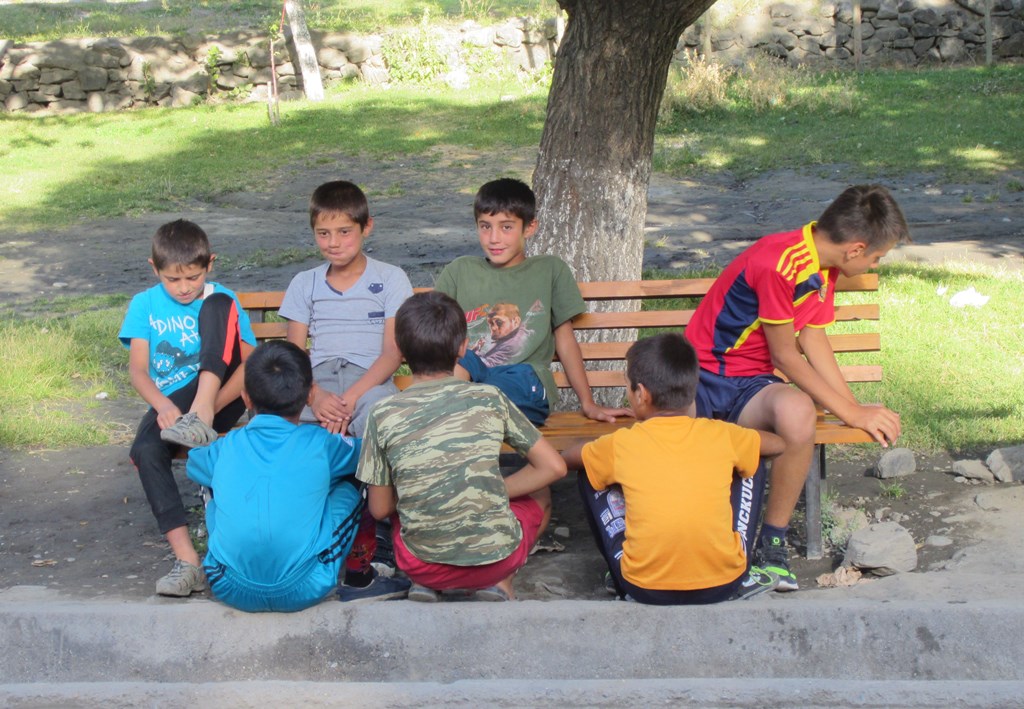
[(333, 448)]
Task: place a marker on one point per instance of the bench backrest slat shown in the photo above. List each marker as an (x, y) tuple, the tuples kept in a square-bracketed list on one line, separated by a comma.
[(650, 295)]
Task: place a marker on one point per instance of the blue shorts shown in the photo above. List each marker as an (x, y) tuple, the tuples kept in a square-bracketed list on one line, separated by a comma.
[(519, 382), (724, 398), (306, 585)]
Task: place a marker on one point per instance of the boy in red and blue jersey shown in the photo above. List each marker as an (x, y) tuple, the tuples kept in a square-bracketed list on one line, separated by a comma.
[(768, 311)]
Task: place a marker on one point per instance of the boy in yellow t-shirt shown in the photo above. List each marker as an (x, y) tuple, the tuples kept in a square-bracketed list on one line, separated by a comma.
[(663, 498)]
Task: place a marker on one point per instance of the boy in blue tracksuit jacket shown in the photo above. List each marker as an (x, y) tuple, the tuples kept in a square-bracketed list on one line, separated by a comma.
[(285, 501)]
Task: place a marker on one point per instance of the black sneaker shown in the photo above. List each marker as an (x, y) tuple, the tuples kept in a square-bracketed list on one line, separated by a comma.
[(756, 582), (774, 558), (381, 588)]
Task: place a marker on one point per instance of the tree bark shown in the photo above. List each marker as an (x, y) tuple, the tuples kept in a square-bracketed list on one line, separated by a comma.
[(312, 84), (594, 163)]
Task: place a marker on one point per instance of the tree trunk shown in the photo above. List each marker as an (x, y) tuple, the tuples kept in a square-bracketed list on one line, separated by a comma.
[(311, 82), (594, 163)]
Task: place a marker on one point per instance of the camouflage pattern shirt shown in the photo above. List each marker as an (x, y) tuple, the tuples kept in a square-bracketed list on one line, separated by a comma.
[(437, 443)]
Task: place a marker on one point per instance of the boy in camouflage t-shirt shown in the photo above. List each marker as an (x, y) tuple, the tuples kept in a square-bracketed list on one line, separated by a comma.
[(430, 457)]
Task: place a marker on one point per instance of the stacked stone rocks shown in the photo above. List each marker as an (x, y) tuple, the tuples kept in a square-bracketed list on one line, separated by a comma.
[(904, 32)]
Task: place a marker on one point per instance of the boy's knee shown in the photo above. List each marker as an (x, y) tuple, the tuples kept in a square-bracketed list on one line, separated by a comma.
[(795, 417)]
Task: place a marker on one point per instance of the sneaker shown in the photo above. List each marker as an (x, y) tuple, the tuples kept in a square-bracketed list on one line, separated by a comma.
[(756, 582), (184, 580), (381, 588), (422, 594), (775, 559), (491, 593), (609, 584), (189, 431)]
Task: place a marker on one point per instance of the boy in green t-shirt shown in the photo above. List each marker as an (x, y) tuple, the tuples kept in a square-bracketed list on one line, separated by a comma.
[(519, 310)]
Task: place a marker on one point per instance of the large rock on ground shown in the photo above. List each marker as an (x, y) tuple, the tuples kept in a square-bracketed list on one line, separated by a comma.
[(884, 548), (1007, 464)]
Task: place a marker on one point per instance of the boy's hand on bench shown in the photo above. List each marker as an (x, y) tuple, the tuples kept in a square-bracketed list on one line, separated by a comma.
[(883, 424), (604, 413)]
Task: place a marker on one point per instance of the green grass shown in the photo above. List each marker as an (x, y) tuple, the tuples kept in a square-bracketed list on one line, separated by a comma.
[(160, 159), (891, 490), (57, 355), (30, 21), (956, 376), (957, 123)]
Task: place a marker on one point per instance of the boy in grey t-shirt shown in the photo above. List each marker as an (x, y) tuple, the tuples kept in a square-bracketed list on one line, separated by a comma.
[(347, 308)]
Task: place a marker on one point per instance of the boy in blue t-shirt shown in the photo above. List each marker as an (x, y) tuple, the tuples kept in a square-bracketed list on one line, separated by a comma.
[(187, 339), (286, 504)]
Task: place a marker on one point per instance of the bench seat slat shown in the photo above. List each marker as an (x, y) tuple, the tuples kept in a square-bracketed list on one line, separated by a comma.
[(616, 378)]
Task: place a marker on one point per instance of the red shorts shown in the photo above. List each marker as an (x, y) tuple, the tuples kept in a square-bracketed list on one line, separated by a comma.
[(442, 577)]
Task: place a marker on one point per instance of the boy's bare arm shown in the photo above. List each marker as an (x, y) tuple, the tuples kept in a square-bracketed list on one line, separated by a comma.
[(818, 351), (880, 422), (569, 354), (381, 500), (382, 369), (138, 373), (573, 456), (545, 467), (771, 444)]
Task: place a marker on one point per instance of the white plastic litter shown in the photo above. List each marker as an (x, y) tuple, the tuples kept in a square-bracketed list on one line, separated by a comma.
[(941, 290), (968, 297), (102, 395)]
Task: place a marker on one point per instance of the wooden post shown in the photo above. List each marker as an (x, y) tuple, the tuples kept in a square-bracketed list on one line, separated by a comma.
[(311, 81), (988, 32), (857, 35)]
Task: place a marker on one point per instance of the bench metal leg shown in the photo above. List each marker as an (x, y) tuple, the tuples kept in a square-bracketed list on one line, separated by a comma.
[(812, 502)]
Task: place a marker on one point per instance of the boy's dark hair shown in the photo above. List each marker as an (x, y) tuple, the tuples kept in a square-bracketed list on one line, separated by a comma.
[(180, 243), (865, 213), (506, 195), (339, 196), (278, 377), (666, 365), (429, 329)]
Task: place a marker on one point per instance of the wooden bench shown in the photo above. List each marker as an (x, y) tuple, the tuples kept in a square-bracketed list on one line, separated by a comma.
[(646, 305)]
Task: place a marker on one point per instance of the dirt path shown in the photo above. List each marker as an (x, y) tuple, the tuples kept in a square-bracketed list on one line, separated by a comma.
[(77, 521)]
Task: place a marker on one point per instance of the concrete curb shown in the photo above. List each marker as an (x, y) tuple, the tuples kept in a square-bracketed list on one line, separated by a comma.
[(763, 693), (60, 641)]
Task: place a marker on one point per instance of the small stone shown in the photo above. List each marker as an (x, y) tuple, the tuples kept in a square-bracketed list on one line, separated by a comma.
[(562, 532), (938, 540), (102, 395), (896, 463), (973, 470)]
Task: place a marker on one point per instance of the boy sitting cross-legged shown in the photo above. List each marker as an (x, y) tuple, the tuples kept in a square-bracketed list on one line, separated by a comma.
[(285, 504), (430, 458), (768, 311), (519, 310), (662, 497), (187, 338)]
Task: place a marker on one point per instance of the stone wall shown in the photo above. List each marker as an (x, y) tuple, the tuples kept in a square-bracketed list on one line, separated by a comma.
[(111, 74), (901, 32)]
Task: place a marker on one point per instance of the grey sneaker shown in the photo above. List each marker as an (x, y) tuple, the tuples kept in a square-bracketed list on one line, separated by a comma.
[(189, 431), (184, 580), (422, 594)]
